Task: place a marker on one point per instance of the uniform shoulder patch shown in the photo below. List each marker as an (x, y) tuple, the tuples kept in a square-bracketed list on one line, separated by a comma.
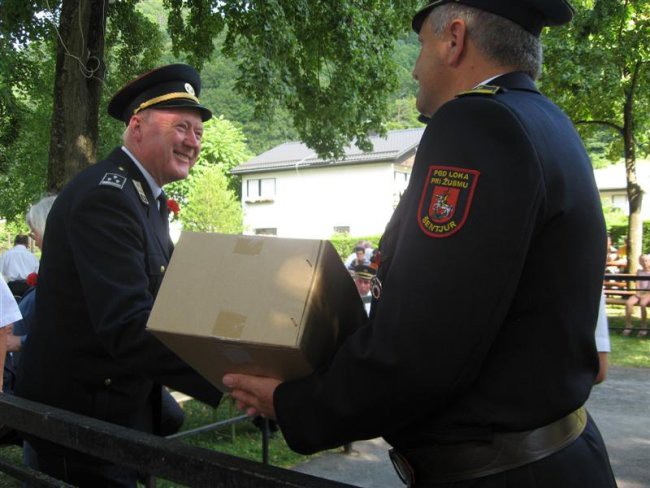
[(482, 90), (446, 199), (114, 180)]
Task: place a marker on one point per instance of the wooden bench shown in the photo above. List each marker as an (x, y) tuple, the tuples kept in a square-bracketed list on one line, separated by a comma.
[(619, 287)]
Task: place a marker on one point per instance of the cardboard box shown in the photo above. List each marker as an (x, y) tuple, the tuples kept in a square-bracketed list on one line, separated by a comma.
[(256, 305)]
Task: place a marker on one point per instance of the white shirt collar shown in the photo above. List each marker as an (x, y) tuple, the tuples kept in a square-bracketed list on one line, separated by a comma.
[(155, 189), (485, 82)]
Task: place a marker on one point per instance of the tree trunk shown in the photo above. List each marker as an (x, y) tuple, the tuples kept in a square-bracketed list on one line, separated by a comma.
[(634, 190), (77, 90)]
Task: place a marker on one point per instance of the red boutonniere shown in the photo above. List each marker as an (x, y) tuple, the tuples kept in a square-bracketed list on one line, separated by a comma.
[(174, 209), (32, 279)]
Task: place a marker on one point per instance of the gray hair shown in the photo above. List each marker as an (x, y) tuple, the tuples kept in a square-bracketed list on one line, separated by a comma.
[(37, 214), (498, 38)]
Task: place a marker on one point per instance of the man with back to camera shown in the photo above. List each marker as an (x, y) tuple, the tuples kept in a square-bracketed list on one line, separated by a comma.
[(105, 252), (480, 353)]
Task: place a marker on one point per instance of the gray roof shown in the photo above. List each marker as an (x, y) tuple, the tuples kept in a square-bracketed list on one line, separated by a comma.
[(290, 155)]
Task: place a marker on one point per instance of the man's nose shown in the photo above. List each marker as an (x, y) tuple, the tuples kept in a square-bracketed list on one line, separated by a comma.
[(192, 139)]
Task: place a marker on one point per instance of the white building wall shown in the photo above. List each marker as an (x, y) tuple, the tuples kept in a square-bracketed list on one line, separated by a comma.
[(613, 186), (310, 203)]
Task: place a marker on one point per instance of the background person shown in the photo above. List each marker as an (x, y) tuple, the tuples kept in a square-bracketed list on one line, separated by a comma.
[(602, 342), (16, 263), (35, 219), (105, 252), (363, 275), (615, 264), (9, 313), (456, 368), (641, 298), (359, 258), (367, 248)]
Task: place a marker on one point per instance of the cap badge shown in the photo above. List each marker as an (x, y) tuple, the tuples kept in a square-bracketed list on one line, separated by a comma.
[(446, 199), (189, 89), (376, 288)]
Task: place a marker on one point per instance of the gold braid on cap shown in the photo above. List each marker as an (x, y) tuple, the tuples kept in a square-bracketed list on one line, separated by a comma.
[(164, 98)]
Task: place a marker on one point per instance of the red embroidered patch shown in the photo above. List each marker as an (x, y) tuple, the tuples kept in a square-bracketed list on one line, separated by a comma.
[(446, 199)]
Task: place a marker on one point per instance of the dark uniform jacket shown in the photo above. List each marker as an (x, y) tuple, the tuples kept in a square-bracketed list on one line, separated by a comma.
[(105, 251), (491, 274)]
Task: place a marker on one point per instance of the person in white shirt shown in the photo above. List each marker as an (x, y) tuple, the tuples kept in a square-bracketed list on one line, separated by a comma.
[(9, 313), (602, 341), (18, 262)]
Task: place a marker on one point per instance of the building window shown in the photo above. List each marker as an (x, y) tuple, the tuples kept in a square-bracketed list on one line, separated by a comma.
[(342, 229), (260, 188), (266, 231)]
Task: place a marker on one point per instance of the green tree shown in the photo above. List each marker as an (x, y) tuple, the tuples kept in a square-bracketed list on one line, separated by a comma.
[(597, 68), (224, 145), (403, 114), (328, 63), (211, 206), (52, 74)]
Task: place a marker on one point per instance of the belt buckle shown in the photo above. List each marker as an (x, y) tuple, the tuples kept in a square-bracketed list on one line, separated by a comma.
[(402, 467)]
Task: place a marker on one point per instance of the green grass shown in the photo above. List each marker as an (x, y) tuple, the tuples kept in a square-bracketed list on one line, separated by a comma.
[(14, 455), (243, 440), (632, 351)]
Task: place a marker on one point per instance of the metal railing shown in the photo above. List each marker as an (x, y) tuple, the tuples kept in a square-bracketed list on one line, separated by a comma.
[(159, 457)]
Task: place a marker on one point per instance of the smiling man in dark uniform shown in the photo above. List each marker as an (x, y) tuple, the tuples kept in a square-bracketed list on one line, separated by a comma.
[(480, 352), (104, 255)]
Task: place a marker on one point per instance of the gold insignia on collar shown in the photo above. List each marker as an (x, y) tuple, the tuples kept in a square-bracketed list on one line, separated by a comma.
[(482, 90), (141, 194)]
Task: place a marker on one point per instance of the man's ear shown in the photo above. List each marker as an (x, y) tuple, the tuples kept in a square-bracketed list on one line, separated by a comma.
[(457, 36), (135, 127)]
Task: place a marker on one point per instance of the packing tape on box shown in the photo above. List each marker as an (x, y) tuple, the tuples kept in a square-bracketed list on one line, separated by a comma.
[(229, 324), (248, 246)]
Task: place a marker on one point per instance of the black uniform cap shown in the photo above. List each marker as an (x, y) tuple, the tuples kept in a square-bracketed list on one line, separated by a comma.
[(364, 271), (532, 15), (171, 86)]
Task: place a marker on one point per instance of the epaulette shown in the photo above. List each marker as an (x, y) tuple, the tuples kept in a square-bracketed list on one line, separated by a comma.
[(113, 179), (482, 90)]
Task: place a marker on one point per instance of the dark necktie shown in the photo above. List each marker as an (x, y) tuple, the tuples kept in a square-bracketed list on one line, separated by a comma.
[(162, 206), (164, 211)]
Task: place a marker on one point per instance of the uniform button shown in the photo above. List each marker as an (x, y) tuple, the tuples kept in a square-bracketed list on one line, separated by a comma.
[(120, 168), (162, 268), (108, 382)]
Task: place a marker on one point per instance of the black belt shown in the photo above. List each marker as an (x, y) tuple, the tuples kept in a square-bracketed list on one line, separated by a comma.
[(507, 450)]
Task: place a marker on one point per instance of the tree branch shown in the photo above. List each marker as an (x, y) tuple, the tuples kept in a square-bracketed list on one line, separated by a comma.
[(611, 125)]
